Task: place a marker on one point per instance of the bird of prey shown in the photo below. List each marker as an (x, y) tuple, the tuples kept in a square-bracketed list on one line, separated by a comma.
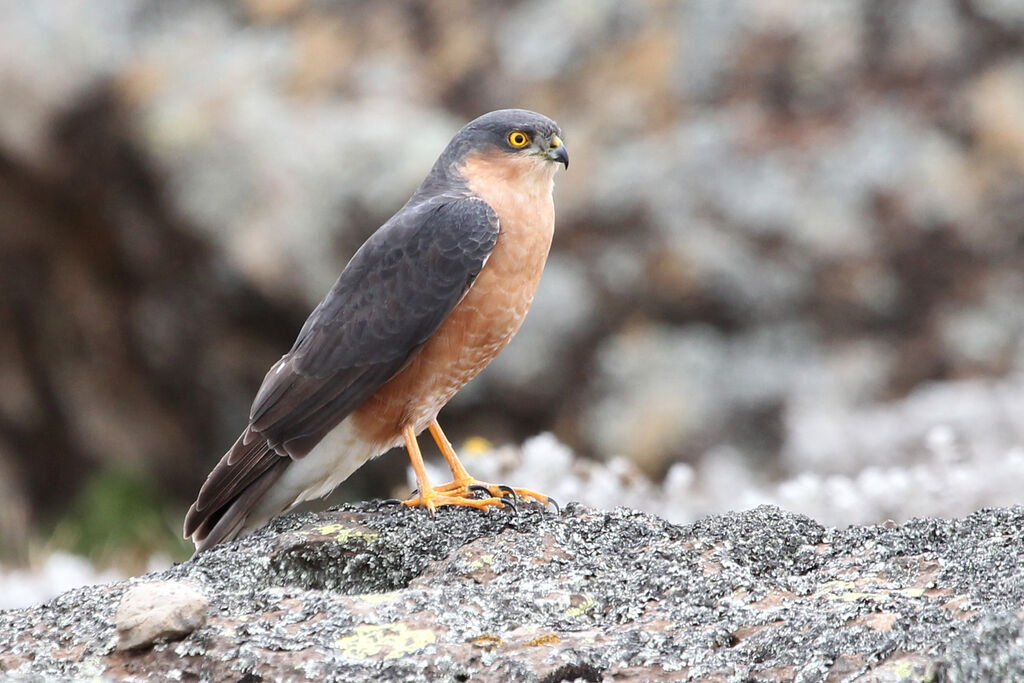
[(421, 308)]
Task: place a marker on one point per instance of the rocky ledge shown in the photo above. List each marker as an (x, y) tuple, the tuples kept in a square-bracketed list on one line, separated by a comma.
[(372, 592)]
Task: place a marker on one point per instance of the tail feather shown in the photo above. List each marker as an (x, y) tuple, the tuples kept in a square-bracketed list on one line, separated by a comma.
[(224, 523), (232, 490), (253, 482)]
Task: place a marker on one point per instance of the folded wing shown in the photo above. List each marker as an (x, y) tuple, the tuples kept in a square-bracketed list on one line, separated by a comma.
[(391, 298)]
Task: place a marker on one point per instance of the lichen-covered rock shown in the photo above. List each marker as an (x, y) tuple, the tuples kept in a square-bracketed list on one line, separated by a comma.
[(372, 591)]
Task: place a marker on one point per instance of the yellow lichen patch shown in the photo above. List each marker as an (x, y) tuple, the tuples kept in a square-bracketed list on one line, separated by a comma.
[(904, 669), (837, 586), (856, 596), (546, 639), (479, 561), (343, 534), (488, 641), (580, 604), (384, 641)]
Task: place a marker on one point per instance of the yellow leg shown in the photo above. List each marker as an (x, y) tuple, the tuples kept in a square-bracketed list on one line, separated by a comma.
[(432, 498), (462, 480), (458, 471), (413, 448)]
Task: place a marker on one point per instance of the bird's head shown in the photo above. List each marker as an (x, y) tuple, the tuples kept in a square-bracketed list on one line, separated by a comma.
[(507, 146), (519, 133)]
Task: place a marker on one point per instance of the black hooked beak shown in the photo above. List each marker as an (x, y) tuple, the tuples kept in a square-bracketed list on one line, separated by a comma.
[(558, 152)]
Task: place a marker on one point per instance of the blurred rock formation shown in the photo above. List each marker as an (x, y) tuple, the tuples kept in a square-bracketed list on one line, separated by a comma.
[(771, 205)]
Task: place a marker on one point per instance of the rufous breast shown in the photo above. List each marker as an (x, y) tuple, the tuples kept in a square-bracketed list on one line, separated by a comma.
[(490, 313)]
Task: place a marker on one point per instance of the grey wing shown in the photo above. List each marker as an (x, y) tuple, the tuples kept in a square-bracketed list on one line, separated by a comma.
[(391, 298)]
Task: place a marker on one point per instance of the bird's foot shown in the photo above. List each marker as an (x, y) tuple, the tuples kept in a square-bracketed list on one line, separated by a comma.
[(435, 497), (469, 488)]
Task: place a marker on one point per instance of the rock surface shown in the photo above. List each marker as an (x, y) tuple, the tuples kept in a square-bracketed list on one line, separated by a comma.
[(375, 592), (160, 610)]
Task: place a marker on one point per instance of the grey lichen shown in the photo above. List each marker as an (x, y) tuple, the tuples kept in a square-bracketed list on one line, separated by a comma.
[(377, 591)]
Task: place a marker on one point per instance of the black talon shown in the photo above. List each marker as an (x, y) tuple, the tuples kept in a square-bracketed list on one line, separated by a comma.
[(511, 505), (509, 490), (558, 508), (391, 501), (479, 488)]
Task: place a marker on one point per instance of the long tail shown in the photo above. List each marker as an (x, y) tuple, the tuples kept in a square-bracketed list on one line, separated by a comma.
[(233, 490)]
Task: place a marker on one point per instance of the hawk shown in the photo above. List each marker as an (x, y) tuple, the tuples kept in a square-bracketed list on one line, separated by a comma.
[(421, 308)]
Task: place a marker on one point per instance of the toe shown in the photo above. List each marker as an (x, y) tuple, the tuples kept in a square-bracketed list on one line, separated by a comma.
[(480, 488)]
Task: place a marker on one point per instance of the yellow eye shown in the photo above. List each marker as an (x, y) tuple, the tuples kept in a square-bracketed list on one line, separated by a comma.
[(518, 138)]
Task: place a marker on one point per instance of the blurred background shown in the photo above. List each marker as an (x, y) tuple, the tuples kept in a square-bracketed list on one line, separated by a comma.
[(788, 265)]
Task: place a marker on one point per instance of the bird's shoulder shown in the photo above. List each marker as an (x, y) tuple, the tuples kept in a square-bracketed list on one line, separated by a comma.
[(428, 250), (392, 296)]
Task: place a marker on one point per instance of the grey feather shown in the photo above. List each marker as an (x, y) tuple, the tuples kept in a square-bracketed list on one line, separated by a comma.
[(393, 295)]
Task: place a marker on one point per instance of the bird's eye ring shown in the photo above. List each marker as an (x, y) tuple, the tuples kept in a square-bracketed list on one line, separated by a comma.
[(518, 139)]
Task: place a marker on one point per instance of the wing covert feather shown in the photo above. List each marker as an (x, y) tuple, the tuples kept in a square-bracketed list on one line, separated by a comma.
[(393, 295)]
